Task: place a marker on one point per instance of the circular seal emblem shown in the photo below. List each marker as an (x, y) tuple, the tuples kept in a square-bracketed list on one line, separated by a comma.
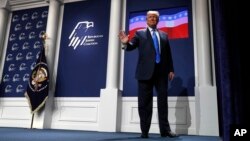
[(39, 77)]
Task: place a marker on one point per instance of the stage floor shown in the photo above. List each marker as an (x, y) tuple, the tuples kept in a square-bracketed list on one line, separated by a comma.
[(23, 134)]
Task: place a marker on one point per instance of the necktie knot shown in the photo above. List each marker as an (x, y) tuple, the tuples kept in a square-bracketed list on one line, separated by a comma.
[(153, 30)]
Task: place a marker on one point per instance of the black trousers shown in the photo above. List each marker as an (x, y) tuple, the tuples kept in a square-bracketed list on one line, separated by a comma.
[(145, 102)]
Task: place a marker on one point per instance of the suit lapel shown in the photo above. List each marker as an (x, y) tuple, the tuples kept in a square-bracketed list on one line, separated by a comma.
[(161, 38), (149, 36)]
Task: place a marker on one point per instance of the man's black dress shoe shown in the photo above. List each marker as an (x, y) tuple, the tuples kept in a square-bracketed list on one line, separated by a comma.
[(169, 134), (144, 135)]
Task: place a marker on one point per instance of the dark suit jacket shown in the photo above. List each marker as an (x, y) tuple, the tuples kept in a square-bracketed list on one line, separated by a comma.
[(146, 61)]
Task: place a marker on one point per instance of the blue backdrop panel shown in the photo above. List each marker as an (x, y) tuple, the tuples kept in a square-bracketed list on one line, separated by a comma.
[(83, 49), (181, 47), (24, 46)]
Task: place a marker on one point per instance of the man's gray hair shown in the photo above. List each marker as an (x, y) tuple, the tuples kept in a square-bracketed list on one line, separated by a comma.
[(153, 12)]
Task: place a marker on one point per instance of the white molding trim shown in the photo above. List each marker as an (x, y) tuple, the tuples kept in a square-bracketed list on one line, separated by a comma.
[(69, 1), (26, 4)]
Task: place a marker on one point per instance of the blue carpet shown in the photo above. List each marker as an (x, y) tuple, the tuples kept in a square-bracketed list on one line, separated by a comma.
[(22, 134)]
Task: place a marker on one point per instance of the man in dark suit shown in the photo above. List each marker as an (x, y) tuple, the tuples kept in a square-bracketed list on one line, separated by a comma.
[(154, 68)]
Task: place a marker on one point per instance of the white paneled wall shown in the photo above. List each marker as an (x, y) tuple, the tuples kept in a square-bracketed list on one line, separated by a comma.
[(82, 114), (181, 113), (76, 113), (15, 112)]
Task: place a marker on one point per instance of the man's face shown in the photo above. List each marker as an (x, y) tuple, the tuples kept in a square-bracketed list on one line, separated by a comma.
[(152, 20)]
